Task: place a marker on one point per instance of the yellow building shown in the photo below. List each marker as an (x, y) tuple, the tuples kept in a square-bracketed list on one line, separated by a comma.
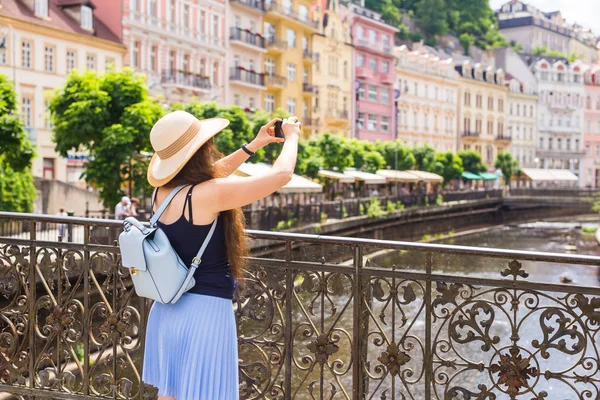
[(332, 73), (482, 111), (289, 26)]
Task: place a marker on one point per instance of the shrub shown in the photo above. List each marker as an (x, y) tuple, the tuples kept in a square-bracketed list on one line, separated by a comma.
[(415, 37), (361, 209), (374, 209), (400, 206), (439, 199), (425, 238), (344, 212), (318, 229), (323, 217), (390, 206)]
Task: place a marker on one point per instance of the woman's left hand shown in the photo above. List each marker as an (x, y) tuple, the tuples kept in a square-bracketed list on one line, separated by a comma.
[(266, 135)]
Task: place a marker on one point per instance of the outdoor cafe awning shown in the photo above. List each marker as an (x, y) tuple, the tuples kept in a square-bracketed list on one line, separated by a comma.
[(368, 178), (488, 176), (541, 175), (338, 176), (471, 176), (398, 176), (298, 184), (427, 176)]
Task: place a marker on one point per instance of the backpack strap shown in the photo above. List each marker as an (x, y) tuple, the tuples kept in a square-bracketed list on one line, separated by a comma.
[(164, 205), (196, 261)]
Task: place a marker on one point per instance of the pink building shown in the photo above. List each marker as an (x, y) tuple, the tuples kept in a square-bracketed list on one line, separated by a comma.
[(179, 44), (374, 73), (591, 126)]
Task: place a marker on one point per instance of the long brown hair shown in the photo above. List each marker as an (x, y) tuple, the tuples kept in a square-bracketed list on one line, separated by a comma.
[(200, 168)]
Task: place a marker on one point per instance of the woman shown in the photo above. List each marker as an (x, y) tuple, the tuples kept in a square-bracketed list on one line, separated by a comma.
[(191, 346)]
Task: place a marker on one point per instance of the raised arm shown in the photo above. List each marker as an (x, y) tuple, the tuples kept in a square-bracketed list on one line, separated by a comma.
[(234, 192), (229, 164)]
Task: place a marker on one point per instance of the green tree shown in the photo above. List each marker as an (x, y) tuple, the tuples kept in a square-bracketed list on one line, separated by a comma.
[(471, 161), (432, 17), (466, 41), (17, 190), (335, 152), (373, 162), (109, 116), (508, 165), (396, 155), (449, 165), (424, 158)]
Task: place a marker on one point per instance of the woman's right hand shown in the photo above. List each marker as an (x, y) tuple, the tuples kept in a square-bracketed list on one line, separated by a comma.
[(291, 126)]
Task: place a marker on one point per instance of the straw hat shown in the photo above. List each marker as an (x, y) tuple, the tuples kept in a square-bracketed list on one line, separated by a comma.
[(175, 139)]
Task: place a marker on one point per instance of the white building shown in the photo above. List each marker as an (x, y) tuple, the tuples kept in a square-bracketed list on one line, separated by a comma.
[(560, 114), (428, 102), (522, 121), (247, 46), (43, 41)]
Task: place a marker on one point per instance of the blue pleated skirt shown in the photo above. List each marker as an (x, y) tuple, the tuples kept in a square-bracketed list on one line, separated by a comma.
[(191, 349)]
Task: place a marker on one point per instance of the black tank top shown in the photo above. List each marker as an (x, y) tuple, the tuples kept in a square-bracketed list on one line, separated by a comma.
[(213, 276)]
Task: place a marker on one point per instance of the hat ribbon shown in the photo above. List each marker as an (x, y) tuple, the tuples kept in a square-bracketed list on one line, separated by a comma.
[(181, 141)]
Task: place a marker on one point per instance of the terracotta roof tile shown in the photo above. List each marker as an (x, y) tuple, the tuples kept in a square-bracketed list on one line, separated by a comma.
[(58, 19)]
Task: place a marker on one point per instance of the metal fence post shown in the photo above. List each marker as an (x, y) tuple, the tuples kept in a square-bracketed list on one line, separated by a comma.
[(70, 227)]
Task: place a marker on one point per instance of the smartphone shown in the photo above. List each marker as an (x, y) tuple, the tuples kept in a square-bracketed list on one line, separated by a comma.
[(279, 129)]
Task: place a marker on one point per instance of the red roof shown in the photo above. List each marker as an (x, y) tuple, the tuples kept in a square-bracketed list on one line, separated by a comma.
[(58, 19)]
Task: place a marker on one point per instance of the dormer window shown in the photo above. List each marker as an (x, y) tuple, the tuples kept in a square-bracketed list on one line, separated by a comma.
[(41, 8), (86, 18)]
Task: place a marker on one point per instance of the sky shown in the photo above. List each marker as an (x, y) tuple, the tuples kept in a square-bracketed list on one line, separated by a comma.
[(584, 12)]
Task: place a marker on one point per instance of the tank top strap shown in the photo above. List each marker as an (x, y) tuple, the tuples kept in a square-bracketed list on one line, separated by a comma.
[(188, 203)]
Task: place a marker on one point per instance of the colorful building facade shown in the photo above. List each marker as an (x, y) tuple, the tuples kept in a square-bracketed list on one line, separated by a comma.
[(332, 72), (591, 118), (522, 121), (43, 41), (375, 75), (289, 27), (560, 114), (427, 106), (482, 111), (247, 46), (180, 45)]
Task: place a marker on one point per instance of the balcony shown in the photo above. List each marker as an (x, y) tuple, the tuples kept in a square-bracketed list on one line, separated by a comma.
[(185, 80), (364, 73), (245, 38), (308, 122), (292, 15), (247, 78), (470, 135), (374, 46), (337, 117), (275, 46), (256, 5), (503, 138), (387, 79), (309, 56), (308, 89), (275, 81), (560, 154)]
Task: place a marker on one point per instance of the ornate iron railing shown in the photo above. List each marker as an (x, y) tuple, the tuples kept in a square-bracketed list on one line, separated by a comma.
[(318, 318)]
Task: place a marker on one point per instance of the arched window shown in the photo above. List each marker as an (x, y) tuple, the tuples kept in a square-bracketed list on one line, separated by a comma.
[(588, 103)]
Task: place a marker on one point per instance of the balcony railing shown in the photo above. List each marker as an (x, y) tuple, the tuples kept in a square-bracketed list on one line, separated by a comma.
[(290, 13), (309, 55), (503, 138), (375, 314), (185, 78), (242, 75), (276, 80), (248, 37), (308, 88), (277, 45), (470, 134), (255, 4)]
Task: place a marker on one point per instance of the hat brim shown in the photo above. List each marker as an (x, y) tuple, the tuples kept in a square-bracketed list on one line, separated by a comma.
[(160, 172)]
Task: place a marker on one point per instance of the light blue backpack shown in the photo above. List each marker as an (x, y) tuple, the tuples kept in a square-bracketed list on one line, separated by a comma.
[(156, 270)]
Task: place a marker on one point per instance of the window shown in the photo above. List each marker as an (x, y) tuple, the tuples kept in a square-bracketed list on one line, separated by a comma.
[(467, 99), (384, 95), (372, 36), (490, 103), (361, 92), (560, 77), (86, 18), (215, 73), (202, 22), (501, 105), (291, 72), (559, 144), (490, 128), (109, 63), (48, 168), (290, 105), (269, 66), (361, 120), (303, 12), (478, 126), (588, 103), (41, 8), (372, 122), (172, 57), (568, 144), (531, 111), (269, 102), (373, 64), (541, 143), (416, 87), (549, 143), (71, 60), (372, 93), (153, 58), (360, 60), (500, 129), (152, 8), (49, 59), (27, 110), (304, 43), (186, 63), (518, 110), (345, 69), (91, 62), (386, 41), (47, 117), (215, 26), (385, 124), (478, 101), (467, 125), (236, 99), (360, 32), (385, 67), (291, 38), (251, 102), (26, 61), (135, 56)]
